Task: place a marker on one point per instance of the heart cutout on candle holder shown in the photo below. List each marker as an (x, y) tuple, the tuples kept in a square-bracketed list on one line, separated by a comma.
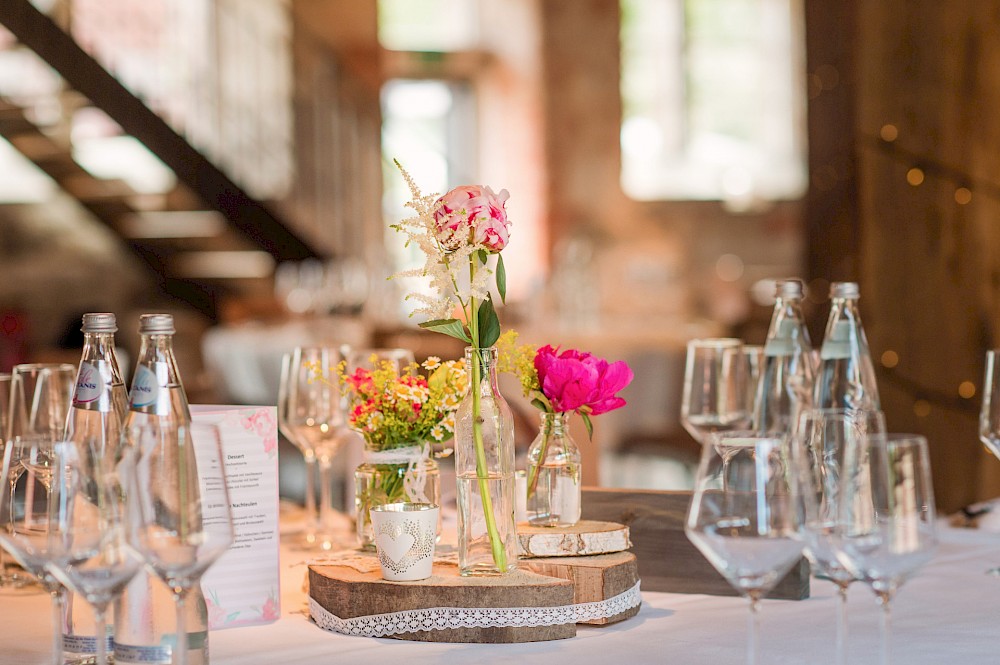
[(395, 544), (405, 534)]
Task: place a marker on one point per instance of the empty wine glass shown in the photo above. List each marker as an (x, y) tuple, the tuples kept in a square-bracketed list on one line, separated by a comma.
[(288, 376), (714, 398), (370, 359), (186, 523), (40, 398), (24, 521), (887, 514), (313, 416), (989, 414), (821, 438), (745, 517), (91, 526)]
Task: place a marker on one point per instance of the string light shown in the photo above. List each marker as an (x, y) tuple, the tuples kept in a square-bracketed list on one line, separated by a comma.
[(967, 186)]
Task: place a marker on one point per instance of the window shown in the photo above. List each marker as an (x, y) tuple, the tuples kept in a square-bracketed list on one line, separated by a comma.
[(713, 100)]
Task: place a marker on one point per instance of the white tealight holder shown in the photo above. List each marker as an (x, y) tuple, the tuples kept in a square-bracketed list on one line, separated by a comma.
[(405, 534)]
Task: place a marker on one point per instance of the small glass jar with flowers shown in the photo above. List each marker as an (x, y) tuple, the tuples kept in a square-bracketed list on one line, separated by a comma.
[(559, 384), (404, 417)]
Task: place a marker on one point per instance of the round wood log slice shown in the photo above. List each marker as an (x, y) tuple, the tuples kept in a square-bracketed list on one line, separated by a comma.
[(595, 578), (584, 538), (348, 593)]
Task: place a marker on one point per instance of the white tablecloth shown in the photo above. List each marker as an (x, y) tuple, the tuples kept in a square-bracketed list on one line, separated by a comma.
[(947, 614)]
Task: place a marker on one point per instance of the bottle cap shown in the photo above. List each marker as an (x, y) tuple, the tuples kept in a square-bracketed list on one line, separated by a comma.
[(788, 288), (156, 324), (845, 290), (102, 322)]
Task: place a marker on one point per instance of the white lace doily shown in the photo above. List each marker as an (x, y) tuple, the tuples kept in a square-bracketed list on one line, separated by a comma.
[(442, 618)]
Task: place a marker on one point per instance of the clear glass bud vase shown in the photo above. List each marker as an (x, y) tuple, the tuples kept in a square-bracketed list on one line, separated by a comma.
[(554, 474), (484, 469), (407, 474)]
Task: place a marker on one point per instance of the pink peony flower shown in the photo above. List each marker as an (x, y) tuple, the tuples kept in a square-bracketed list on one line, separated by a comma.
[(579, 381), (481, 209)]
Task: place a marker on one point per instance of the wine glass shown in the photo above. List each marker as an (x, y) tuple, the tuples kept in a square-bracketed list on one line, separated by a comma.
[(40, 399), (24, 521), (989, 414), (370, 359), (888, 515), (714, 397), (186, 523), (745, 517), (821, 438), (288, 376), (313, 416), (91, 525)]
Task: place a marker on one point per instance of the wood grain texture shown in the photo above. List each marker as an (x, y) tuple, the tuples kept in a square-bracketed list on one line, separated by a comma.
[(348, 593), (595, 578), (586, 537), (666, 558)]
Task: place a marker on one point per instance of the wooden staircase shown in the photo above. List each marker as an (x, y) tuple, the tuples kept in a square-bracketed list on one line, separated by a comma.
[(205, 239)]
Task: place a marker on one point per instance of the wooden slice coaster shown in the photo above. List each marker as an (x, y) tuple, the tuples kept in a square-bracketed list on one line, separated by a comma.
[(584, 538), (348, 593), (595, 578)]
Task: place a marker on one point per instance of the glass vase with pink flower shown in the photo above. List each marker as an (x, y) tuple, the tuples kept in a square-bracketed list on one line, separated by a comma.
[(559, 384)]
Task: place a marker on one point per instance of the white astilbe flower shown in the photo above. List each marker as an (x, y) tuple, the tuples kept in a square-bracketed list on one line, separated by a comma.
[(447, 268)]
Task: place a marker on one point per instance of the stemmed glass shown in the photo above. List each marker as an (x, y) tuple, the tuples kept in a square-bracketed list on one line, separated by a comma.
[(24, 520), (312, 417), (39, 403), (91, 525), (288, 377), (186, 523), (744, 516), (371, 359), (887, 515), (821, 438), (989, 414), (714, 398)]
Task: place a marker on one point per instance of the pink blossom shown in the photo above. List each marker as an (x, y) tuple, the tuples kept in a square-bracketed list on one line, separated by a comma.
[(480, 208), (579, 381), (216, 614)]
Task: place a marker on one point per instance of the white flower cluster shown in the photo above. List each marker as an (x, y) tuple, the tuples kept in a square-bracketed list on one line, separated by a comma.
[(446, 268)]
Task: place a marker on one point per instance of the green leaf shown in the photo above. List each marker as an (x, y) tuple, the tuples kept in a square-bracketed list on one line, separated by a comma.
[(489, 324), (589, 425), (539, 404), (501, 279), (450, 327), (483, 255)]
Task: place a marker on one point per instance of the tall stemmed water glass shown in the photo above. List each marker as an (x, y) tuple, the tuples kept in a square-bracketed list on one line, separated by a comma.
[(186, 523), (887, 514), (93, 525), (745, 517), (289, 371), (821, 438), (371, 359), (714, 397), (313, 415), (989, 414), (40, 398), (24, 521)]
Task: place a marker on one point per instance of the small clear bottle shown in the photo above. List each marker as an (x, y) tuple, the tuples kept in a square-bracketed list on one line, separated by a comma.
[(145, 619), (846, 373), (95, 422), (553, 486), (785, 383)]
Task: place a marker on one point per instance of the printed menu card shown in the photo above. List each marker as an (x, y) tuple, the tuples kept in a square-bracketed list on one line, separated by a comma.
[(241, 587)]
